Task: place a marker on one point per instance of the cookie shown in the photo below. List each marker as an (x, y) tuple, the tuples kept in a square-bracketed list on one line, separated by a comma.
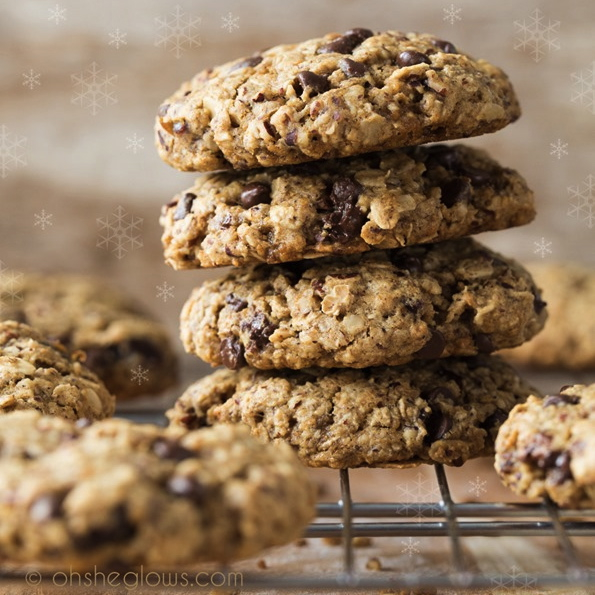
[(125, 346), (445, 411), (125, 494), (343, 206), (379, 308), (568, 339), (335, 96), (547, 448), (37, 373)]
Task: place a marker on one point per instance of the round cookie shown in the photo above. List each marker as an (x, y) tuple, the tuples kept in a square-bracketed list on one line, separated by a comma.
[(335, 96), (445, 411), (343, 206), (378, 308), (37, 373), (125, 494), (547, 448), (568, 339), (116, 334)]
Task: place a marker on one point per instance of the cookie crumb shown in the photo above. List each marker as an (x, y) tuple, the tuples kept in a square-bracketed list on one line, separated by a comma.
[(361, 541), (373, 564), (262, 564), (301, 542)]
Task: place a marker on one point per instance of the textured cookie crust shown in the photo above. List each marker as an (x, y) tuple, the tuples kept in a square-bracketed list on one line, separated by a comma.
[(330, 97), (114, 331), (547, 448), (445, 411), (37, 373), (129, 494), (379, 308), (568, 338), (343, 206)]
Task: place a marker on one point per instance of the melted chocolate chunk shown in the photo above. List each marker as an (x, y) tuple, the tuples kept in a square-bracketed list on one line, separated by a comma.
[(561, 471), (433, 348), (166, 448), (309, 80), (184, 206), (495, 420), (231, 353), (445, 46), (149, 352), (247, 62), (411, 58), (446, 156), (345, 221), (186, 487), (408, 263), (484, 343), (352, 68), (560, 399), (538, 304), (346, 43), (255, 193), (440, 393), (291, 138), (260, 328), (454, 191), (437, 425), (235, 303), (118, 529)]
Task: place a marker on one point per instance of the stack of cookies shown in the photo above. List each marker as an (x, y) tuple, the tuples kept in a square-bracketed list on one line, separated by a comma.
[(359, 322)]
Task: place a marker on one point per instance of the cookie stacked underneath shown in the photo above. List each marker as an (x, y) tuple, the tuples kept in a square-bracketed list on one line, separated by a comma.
[(360, 318)]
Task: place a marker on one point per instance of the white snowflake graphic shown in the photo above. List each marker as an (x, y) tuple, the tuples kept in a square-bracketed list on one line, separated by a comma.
[(582, 201), (135, 143), (118, 38), (452, 14), (57, 14), (536, 35), (477, 486), (12, 151), (43, 220), (230, 22), (416, 495), (93, 88), (139, 375), (542, 247), (583, 88), (559, 148), (514, 579), (10, 286), (31, 79), (177, 32), (165, 291), (410, 547), (120, 232)]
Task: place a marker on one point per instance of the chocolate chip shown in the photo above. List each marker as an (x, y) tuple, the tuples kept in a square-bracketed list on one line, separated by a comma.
[(316, 82), (559, 399), (260, 328), (433, 348), (235, 303), (170, 449), (561, 471), (180, 127), (412, 305), (437, 425), (346, 43), (352, 68), (478, 177), (484, 343), (411, 58), (446, 156), (440, 393), (445, 46), (495, 420), (271, 130), (346, 219), (412, 264), (291, 138), (118, 529), (187, 487), (538, 304), (248, 62), (231, 353), (46, 507), (255, 193), (149, 351), (184, 206), (454, 191)]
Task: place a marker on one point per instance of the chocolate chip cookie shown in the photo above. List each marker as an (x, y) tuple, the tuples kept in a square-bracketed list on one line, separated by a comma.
[(119, 337), (37, 373), (378, 308), (568, 339), (547, 448), (444, 411), (125, 494), (342, 206), (335, 96)]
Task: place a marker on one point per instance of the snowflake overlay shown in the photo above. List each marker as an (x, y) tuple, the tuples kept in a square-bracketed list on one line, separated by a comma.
[(452, 14), (31, 79), (93, 88), (582, 202), (559, 148), (12, 151), (514, 580), (583, 88), (135, 144), (410, 547), (43, 220), (139, 375), (177, 32), (120, 231), (57, 14), (117, 38), (230, 22), (542, 247), (164, 291), (10, 286), (417, 492), (477, 486), (537, 36)]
